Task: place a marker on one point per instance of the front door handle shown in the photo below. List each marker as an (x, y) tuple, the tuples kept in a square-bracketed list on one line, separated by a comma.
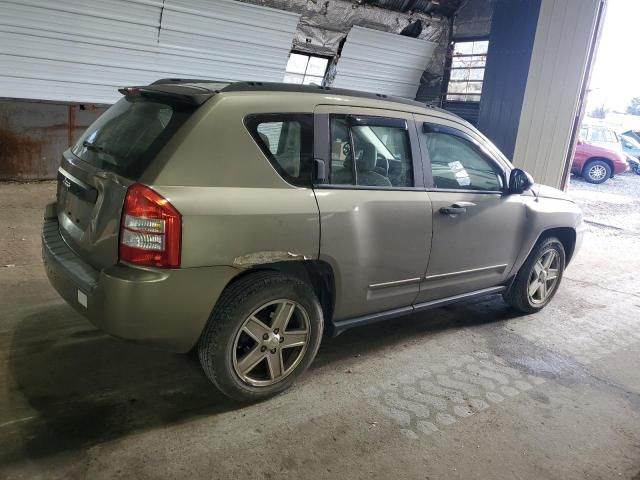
[(457, 208)]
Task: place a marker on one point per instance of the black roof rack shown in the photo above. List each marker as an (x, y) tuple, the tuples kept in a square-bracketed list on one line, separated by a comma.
[(290, 87), (196, 91), (282, 87), (165, 81)]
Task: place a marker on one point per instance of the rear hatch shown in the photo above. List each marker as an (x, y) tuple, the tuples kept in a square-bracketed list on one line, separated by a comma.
[(110, 156)]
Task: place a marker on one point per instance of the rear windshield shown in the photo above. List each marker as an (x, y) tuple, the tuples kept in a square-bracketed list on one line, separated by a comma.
[(127, 137)]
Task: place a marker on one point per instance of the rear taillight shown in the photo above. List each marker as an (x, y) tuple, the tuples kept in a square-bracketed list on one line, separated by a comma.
[(150, 229)]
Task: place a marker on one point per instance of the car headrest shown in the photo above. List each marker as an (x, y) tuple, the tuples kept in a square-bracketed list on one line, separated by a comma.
[(367, 162), (265, 140)]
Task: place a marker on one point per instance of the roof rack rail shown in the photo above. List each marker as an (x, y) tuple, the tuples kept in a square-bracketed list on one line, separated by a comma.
[(185, 87), (290, 87), (165, 81)]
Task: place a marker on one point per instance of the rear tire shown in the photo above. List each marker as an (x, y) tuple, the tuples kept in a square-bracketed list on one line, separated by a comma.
[(254, 345), (596, 171), (538, 279)]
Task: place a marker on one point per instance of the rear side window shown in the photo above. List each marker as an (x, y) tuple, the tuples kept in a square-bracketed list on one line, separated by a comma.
[(286, 139), (127, 137), (370, 151)]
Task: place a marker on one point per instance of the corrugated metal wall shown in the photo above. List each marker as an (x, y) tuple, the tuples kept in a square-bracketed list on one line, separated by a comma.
[(558, 66), (81, 51), (466, 110), (382, 62), (511, 41)]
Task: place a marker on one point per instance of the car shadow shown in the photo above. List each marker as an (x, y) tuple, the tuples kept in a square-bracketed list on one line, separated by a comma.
[(367, 339), (77, 387), (87, 387)]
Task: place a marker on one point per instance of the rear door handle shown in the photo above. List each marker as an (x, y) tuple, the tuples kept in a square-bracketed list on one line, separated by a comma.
[(457, 208)]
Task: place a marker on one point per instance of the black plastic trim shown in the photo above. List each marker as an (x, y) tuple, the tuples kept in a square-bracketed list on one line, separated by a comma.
[(376, 121), (341, 186), (419, 172), (458, 298), (341, 326), (322, 144)]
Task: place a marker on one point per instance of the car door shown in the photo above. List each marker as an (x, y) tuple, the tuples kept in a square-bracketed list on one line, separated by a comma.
[(375, 214), (477, 225)]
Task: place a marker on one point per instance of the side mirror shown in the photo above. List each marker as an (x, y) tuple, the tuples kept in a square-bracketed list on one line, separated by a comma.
[(520, 181), (580, 141)]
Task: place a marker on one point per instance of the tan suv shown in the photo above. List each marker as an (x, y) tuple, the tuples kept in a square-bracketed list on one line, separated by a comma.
[(245, 219)]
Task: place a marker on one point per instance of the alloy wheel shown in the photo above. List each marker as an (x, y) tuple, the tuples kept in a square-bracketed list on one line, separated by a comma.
[(271, 343), (597, 172), (544, 277)]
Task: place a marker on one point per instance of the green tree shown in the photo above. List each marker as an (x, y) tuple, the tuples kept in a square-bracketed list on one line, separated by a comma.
[(634, 107)]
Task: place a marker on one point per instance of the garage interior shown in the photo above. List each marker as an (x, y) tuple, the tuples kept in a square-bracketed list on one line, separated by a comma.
[(465, 391)]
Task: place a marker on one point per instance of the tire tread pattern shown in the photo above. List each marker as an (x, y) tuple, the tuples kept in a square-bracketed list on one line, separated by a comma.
[(224, 320), (517, 295)]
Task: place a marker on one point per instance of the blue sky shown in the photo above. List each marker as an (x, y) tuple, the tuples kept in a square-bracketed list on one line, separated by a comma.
[(616, 74)]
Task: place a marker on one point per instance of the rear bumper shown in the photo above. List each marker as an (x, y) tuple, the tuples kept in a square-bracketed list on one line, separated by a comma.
[(164, 307)]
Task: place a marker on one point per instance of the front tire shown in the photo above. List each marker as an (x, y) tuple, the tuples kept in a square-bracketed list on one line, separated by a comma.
[(596, 171), (539, 278), (262, 335)]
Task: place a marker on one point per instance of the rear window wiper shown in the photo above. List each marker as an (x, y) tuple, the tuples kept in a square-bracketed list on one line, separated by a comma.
[(96, 148)]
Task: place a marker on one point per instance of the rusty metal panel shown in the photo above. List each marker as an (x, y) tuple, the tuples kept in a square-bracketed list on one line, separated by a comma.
[(33, 136)]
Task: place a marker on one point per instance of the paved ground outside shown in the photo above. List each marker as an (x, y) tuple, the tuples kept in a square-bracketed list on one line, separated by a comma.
[(468, 391)]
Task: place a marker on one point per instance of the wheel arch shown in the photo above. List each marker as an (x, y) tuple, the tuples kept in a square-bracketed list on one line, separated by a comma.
[(316, 273), (566, 235), (596, 158)]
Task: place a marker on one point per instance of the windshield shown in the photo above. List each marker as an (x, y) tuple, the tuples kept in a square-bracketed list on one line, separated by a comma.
[(129, 135)]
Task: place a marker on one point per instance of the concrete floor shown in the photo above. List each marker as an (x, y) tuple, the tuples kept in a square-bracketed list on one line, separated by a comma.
[(469, 391)]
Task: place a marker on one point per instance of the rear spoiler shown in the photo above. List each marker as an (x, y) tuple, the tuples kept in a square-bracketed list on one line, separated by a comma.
[(176, 91)]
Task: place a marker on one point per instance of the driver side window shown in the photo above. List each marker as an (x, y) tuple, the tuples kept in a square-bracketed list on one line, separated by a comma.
[(457, 163)]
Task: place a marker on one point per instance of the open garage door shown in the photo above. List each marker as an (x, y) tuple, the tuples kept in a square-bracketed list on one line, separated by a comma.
[(382, 62), (82, 51)]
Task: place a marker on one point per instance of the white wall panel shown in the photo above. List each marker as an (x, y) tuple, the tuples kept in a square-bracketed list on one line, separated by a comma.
[(82, 51), (245, 35), (557, 68), (126, 20), (382, 62)]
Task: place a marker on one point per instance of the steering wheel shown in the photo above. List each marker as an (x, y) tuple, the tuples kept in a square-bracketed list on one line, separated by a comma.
[(382, 165)]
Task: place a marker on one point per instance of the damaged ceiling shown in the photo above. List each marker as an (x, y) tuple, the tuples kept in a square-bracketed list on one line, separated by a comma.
[(445, 8), (325, 24)]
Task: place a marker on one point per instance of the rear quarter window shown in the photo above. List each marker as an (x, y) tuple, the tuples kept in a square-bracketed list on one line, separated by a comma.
[(286, 139)]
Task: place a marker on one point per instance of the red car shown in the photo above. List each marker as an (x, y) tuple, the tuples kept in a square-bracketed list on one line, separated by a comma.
[(597, 164)]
